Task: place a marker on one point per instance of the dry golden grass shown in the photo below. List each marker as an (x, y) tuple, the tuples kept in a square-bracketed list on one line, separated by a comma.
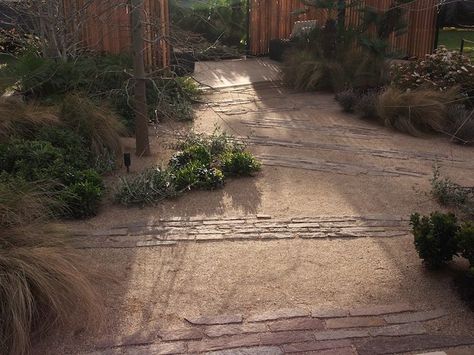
[(41, 288), (99, 125), (23, 203), (43, 281), (20, 119), (415, 112)]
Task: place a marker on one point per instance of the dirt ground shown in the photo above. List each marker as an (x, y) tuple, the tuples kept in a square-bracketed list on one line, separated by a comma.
[(318, 161)]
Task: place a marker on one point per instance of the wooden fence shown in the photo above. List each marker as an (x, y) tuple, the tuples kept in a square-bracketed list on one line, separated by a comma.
[(105, 26), (274, 19)]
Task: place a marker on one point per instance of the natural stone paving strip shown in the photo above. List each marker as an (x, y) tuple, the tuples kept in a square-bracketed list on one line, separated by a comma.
[(169, 232), (333, 130), (379, 153), (337, 167), (288, 331)]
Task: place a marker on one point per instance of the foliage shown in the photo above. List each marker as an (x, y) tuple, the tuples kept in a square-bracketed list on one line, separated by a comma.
[(103, 78), (435, 238), (195, 175), (416, 111), (465, 240), (347, 99), (23, 202), (217, 20), (367, 105), (146, 188), (201, 162), (23, 120), (450, 194), (239, 164), (43, 282), (76, 189), (442, 70), (82, 194), (99, 127)]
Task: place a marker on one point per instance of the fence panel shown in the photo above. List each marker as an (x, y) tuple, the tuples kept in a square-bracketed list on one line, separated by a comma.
[(274, 19), (104, 26)]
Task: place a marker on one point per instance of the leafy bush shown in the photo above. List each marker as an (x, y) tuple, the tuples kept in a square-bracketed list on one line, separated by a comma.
[(347, 99), (442, 70), (78, 189), (82, 194), (199, 164), (367, 105), (239, 164), (196, 153), (146, 188), (196, 175), (414, 112), (435, 238), (465, 240), (32, 160)]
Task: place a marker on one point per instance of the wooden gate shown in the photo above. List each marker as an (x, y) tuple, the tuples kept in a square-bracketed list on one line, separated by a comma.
[(274, 19)]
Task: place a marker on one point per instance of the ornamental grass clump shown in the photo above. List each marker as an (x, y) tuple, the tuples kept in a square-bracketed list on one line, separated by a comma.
[(415, 111), (44, 283)]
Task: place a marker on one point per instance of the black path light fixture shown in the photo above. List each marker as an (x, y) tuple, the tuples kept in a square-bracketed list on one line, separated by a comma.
[(127, 161)]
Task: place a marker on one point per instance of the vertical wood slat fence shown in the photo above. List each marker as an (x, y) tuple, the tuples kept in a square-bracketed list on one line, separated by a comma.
[(274, 19), (105, 26)]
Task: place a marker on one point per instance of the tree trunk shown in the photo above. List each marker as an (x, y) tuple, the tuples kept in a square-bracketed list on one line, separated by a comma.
[(140, 104)]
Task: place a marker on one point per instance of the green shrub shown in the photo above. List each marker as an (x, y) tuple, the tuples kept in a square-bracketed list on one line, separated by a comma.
[(145, 188), (435, 238), (32, 160), (347, 99), (239, 164), (195, 153), (75, 151), (195, 175), (465, 240), (82, 196), (78, 190)]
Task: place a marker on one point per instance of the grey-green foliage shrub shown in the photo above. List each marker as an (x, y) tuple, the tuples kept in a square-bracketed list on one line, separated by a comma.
[(150, 186), (202, 162), (450, 194), (435, 238)]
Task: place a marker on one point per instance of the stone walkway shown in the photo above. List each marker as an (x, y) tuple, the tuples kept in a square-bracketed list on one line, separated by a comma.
[(168, 232), (389, 329)]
